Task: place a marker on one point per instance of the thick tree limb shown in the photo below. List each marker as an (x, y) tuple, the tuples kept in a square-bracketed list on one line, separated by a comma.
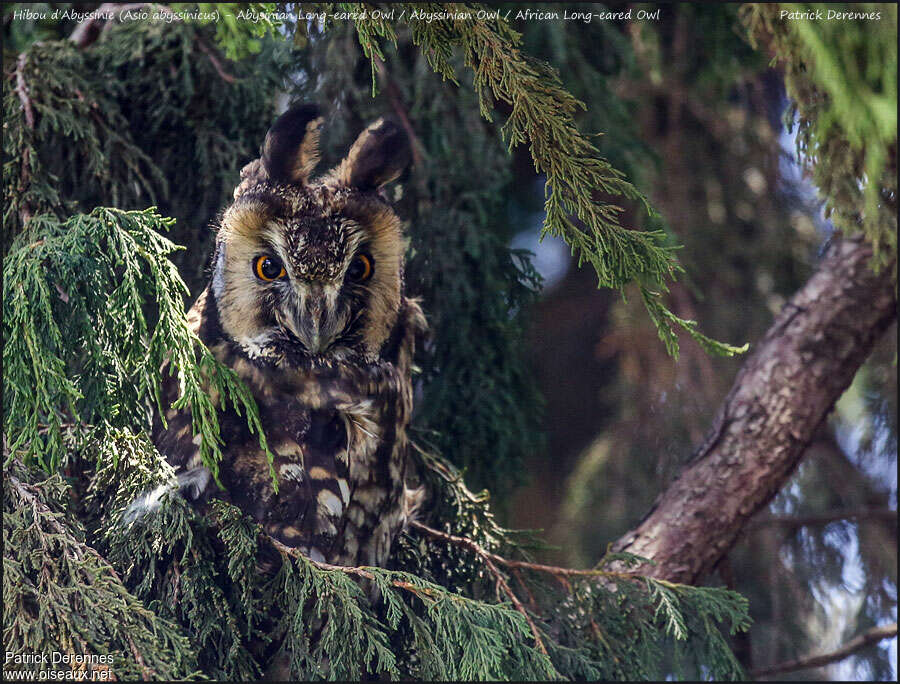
[(859, 642), (779, 398)]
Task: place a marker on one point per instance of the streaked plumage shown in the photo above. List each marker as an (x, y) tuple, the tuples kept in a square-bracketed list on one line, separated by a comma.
[(305, 303)]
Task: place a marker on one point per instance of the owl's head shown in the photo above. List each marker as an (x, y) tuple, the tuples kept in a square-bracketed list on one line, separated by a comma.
[(312, 266)]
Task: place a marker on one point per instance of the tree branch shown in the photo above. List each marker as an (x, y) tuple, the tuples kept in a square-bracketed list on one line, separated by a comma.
[(858, 643), (473, 546), (488, 559), (396, 100), (25, 211), (22, 90), (421, 592), (794, 521), (780, 397), (210, 52)]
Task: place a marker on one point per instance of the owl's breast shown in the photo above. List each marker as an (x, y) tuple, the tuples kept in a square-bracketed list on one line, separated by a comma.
[(336, 432), (339, 470)]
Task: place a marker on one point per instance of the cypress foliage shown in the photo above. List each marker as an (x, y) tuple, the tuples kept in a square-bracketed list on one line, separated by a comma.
[(841, 77), (577, 177), (78, 345), (93, 304)]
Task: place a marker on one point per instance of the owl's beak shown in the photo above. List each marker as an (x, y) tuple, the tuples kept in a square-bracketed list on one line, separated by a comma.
[(316, 325), (311, 331)]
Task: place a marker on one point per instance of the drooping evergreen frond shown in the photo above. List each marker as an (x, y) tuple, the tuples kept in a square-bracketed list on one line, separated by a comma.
[(579, 181), (92, 309), (841, 76)]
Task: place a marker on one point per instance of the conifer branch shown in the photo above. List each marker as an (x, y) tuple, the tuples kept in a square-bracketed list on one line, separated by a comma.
[(846, 117), (488, 560), (25, 210), (502, 583), (578, 178), (356, 571), (510, 563), (81, 567), (859, 642), (491, 559), (419, 591)]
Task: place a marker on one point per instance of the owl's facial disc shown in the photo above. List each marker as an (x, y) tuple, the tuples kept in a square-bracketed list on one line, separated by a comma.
[(322, 294), (300, 283)]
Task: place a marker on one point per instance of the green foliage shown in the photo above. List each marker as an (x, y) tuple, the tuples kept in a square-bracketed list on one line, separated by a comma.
[(36, 23), (60, 595), (842, 78), (81, 346), (578, 179), (238, 36), (237, 595), (590, 64), (137, 119), (53, 94), (665, 320)]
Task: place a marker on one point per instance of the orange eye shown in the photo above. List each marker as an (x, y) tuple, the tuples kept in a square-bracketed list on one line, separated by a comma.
[(361, 268), (268, 268)]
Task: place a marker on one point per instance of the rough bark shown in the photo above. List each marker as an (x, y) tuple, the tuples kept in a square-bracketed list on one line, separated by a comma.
[(780, 397)]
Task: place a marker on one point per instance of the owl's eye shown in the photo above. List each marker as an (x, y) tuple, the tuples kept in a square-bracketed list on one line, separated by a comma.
[(361, 269), (268, 268)]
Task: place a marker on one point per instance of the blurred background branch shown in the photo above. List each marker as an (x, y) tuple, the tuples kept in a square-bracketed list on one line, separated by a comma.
[(859, 642)]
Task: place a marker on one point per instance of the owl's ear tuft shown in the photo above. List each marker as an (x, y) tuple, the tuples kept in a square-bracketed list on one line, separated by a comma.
[(291, 150), (379, 155)]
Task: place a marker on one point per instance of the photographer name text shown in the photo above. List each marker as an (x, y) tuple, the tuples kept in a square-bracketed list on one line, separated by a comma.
[(829, 15)]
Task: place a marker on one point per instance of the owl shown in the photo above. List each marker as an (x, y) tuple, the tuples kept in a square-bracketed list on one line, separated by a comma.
[(305, 304)]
